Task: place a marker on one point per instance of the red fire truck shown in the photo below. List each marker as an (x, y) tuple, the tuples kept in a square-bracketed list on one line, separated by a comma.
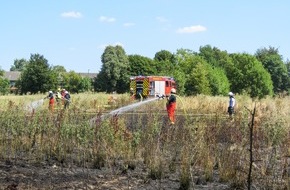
[(151, 86)]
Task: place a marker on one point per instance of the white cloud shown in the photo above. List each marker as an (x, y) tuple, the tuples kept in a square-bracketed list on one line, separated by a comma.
[(128, 24), (103, 46), (107, 19), (191, 29), (71, 14), (161, 19)]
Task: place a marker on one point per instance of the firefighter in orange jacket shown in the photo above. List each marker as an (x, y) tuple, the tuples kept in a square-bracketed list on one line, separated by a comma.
[(171, 106), (51, 100)]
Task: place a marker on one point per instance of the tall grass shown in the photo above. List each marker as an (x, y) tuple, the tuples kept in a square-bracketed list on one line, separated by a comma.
[(204, 145)]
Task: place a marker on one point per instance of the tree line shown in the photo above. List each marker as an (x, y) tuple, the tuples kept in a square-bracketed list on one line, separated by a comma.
[(209, 71), (37, 76)]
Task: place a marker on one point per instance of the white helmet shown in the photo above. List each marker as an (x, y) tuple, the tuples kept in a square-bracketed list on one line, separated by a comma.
[(173, 90), (231, 94), (50, 91)]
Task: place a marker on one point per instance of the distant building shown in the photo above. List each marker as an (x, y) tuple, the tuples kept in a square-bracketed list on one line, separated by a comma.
[(12, 76), (89, 75)]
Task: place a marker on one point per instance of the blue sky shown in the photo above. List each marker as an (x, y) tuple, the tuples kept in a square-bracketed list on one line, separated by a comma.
[(74, 33)]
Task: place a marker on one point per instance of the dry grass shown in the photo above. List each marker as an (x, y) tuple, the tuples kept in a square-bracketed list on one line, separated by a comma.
[(204, 145)]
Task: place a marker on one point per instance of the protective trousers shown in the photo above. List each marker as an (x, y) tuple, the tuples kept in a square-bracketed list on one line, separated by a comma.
[(51, 104), (171, 111)]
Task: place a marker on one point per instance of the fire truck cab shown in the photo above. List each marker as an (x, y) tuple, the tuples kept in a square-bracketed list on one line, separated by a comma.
[(151, 86)]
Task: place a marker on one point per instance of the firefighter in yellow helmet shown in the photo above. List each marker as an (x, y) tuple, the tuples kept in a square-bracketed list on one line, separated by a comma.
[(58, 96)]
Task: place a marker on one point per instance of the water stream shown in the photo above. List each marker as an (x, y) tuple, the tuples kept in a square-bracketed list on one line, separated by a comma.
[(34, 105), (122, 110)]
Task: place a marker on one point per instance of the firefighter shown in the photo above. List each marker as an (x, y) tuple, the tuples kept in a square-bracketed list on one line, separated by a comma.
[(58, 96), (132, 94), (232, 102), (66, 99), (112, 100), (51, 100), (171, 106), (62, 93)]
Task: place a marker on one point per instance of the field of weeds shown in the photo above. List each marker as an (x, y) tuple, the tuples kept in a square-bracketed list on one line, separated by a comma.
[(138, 149)]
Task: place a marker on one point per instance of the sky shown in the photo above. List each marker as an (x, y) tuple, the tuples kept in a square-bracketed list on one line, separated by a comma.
[(74, 33)]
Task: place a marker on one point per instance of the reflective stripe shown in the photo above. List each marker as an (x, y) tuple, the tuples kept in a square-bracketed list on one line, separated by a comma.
[(146, 85), (133, 85)]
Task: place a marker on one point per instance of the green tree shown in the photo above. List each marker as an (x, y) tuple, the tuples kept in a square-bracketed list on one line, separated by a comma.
[(273, 62), (4, 83), (114, 74), (288, 67), (196, 71), (165, 62), (219, 83), (37, 76), (59, 69), (164, 55), (212, 55), (72, 82), (220, 63), (58, 72), (250, 76), (198, 82), (287, 63), (217, 58), (75, 83), (19, 65), (1, 72), (140, 65), (180, 79), (86, 84), (186, 59)]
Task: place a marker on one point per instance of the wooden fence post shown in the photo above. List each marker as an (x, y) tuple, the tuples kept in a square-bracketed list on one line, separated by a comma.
[(288, 172)]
